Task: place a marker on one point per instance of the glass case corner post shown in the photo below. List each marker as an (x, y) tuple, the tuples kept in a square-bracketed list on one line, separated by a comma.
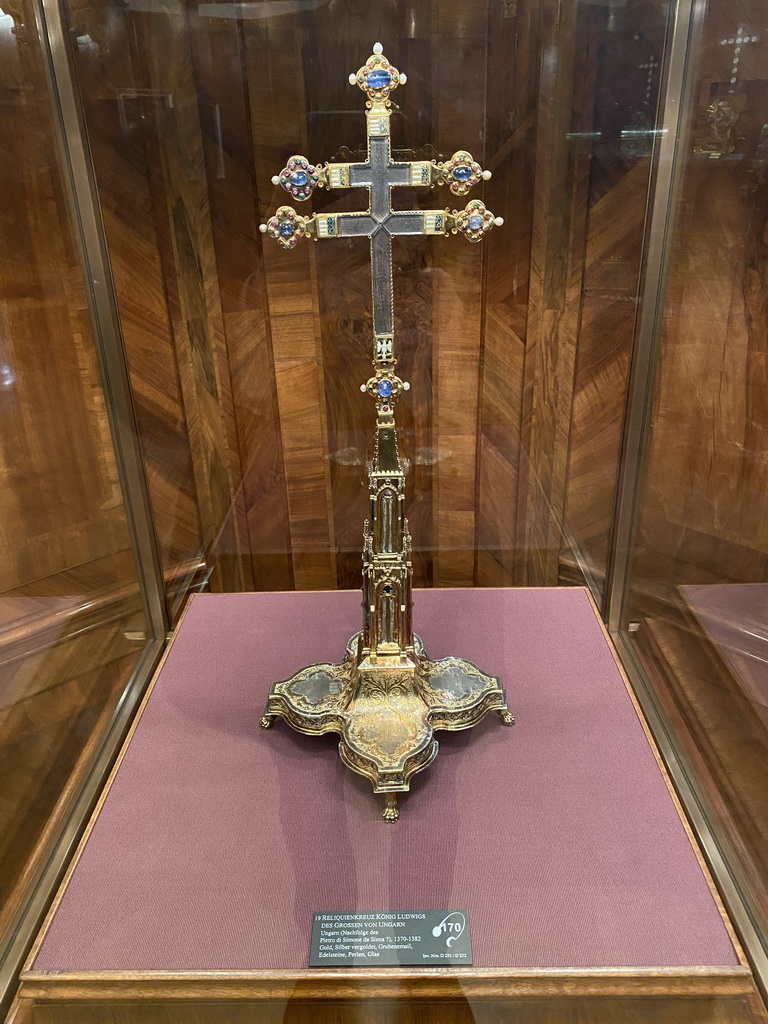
[(669, 146), (83, 200)]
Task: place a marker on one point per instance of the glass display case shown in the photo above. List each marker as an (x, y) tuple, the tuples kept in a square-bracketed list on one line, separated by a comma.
[(181, 397), (76, 629)]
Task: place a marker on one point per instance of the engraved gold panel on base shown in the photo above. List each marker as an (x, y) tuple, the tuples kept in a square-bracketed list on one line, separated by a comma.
[(386, 713)]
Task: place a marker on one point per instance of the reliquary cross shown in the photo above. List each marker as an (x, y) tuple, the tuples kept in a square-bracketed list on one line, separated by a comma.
[(386, 697)]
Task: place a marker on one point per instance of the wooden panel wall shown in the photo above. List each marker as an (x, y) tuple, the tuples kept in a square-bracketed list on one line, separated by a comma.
[(557, 268), (120, 111), (261, 352), (59, 501), (457, 316), (246, 360), (703, 505), (141, 106), (296, 325), (511, 126), (277, 98), (258, 354), (68, 590), (625, 60)]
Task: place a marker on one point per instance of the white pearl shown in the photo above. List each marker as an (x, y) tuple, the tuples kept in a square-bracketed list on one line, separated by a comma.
[(275, 179), (378, 48), (486, 175), (406, 386), (352, 79), (262, 228), (498, 221), (403, 79), (363, 387)]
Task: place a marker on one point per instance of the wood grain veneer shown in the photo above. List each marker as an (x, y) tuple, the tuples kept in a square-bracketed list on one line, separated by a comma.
[(60, 502), (460, 1010), (720, 730), (624, 57), (245, 361), (65, 697), (254, 431), (702, 507)]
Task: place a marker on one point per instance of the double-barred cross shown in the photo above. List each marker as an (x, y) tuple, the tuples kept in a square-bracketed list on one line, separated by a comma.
[(380, 174)]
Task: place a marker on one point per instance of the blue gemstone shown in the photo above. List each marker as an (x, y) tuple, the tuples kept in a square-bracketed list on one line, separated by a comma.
[(299, 178), (475, 222), (378, 78), (385, 388), (462, 172), (286, 229)]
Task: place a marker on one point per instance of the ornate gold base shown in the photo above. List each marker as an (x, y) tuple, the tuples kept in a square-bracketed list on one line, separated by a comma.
[(386, 710)]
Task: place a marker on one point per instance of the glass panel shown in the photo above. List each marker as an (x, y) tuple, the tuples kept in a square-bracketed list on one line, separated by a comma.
[(71, 618), (612, 142), (246, 360), (139, 91), (699, 593)]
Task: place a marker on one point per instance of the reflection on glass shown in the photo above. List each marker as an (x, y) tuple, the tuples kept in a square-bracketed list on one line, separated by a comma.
[(246, 363), (139, 92), (699, 600), (622, 62), (71, 620)]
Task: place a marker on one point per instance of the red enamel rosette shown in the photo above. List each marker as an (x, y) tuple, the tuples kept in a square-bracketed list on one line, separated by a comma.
[(299, 177), (462, 172), (377, 77), (286, 227), (474, 220)]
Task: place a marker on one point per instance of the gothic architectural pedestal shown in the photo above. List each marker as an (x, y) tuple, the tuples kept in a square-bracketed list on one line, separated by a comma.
[(387, 698)]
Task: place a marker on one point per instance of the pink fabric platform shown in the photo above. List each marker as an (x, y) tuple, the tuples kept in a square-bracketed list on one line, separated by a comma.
[(218, 840)]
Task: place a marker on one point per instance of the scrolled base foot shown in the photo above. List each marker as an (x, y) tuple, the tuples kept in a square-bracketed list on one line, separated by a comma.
[(507, 718), (267, 721)]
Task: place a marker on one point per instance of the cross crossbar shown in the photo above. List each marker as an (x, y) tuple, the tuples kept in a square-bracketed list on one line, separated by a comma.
[(380, 174)]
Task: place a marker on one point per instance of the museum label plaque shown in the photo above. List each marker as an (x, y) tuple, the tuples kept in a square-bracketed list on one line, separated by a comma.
[(390, 938)]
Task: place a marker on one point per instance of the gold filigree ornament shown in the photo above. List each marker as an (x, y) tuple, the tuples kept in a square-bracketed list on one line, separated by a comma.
[(286, 227), (385, 384), (299, 177), (377, 77), (462, 172), (474, 220)]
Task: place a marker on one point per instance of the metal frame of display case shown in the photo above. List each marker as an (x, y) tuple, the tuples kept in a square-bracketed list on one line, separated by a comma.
[(670, 144), (89, 236), (684, 31), (670, 141)]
